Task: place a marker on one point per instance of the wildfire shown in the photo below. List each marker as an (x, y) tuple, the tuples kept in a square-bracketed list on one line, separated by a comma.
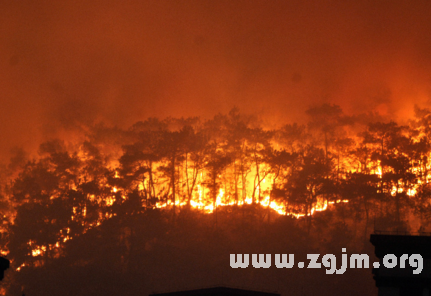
[(200, 200), (223, 201), (225, 176)]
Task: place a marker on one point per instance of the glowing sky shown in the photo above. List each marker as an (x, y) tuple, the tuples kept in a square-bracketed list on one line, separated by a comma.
[(64, 63)]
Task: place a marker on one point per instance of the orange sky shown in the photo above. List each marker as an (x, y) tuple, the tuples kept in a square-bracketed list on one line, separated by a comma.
[(63, 63)]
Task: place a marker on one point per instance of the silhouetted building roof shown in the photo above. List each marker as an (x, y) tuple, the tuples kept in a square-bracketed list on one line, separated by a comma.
[(401, 244), (402, 281), (218, 291)]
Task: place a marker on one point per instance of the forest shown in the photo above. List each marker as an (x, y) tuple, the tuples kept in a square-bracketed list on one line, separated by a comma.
[(159, 206)]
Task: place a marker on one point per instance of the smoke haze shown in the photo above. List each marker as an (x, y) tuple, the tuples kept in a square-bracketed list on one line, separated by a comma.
[(68, 63)]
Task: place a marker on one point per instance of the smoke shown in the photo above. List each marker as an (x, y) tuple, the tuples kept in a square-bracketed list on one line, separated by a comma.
[(68, 63)]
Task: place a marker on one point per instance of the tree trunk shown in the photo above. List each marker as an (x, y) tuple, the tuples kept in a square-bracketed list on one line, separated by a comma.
[(173, 184)]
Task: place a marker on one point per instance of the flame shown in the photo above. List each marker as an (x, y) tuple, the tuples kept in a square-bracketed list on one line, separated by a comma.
[(251, 189), (110, 200), (200, 200), (411, 191), (38, 251), (21, 266)]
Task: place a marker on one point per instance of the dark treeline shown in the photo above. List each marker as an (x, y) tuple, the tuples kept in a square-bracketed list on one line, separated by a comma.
[(144, 209)]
